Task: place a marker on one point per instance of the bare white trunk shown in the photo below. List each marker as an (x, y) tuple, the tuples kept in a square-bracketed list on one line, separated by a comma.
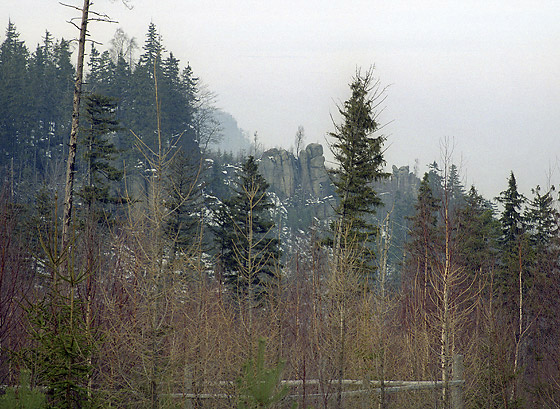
[(72, 144)]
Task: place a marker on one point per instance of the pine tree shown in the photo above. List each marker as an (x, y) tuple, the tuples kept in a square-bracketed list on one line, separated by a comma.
[(249, 253), (359, 155), (51, 76), (94, 77)]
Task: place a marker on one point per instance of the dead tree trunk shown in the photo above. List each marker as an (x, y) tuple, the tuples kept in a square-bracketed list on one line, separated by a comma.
[(72, 144)]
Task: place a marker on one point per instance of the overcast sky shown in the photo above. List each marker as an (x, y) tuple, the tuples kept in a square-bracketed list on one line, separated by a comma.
[(483, 74)]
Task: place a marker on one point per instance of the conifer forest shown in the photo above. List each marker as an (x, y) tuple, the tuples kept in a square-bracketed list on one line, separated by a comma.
[(147, 265)]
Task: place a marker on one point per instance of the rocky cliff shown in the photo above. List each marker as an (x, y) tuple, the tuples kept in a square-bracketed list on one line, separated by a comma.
[(314, 178), (307, 175), (288, 175), (306, 194)]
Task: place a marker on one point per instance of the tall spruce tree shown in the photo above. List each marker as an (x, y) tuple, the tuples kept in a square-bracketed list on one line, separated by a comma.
[(358, 151), (143, 117), (542, 299), (47, 100), (513, 242), (455, 189), (511, 218), (176, 93), (513, 278), (477, 234), (249, 252), (14, 94), (542, 219), (424, 240), (99, 151)]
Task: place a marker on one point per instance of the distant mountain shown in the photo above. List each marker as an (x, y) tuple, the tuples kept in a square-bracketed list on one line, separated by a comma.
[(235, 140)]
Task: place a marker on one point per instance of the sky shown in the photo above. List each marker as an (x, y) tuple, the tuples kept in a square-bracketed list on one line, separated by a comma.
[(481, 78)]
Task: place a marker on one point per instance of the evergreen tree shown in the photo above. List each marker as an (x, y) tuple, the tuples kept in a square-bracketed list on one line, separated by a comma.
[(511, 218), (436, 180), (43, 77), (424, 240), (514, 278), (513, 242), (359, 155), (99, 151), (455, 189), (153, 49), (542, 299), (215, 185), (121, 90), (64, 85), (51, 75), (112, 76), (542, 219), (143, 117), (249, 254), (176, 103), (477, 233), (94, 77), (14, 94), (176, 93), (183, 203)]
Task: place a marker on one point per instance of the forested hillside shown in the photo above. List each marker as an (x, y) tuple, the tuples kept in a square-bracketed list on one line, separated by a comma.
[(201, 273)]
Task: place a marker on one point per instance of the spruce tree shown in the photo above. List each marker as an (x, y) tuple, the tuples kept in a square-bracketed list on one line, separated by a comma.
[(477, 233), (14, 94), (542, 219), (183, 203), (436, 180), (513, 278), (424, 240), (47, 121), (99, 152), (513, 241), (143, 117), (358, 151), (542, 299), (249, 252), (176, 93), (511, 218), (455, 189)]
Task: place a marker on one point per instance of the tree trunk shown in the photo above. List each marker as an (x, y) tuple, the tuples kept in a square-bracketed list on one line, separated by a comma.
[(71, 163)]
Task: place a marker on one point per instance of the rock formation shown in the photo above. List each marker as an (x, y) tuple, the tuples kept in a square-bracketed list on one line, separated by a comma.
[(315, 180), (288, 175), (281, 171)]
